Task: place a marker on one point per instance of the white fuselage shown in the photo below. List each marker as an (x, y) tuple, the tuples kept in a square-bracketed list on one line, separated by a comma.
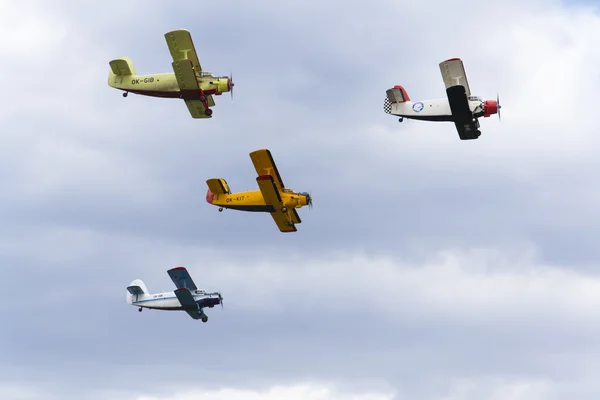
[(432, 110), (166, 300)]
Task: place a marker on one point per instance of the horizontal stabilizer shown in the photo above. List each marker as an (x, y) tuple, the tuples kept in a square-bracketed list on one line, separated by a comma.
[(218, 186), (122, 67), (135, 290), (397, 94)]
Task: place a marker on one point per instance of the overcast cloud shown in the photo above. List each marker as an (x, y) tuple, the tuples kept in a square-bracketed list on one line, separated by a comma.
[(429, 268)]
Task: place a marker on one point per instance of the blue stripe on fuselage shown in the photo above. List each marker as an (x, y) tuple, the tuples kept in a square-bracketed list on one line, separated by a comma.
[(169, 298)]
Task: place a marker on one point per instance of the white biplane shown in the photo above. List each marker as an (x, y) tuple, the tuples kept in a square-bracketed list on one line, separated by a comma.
[(187, 297), (459, 106)]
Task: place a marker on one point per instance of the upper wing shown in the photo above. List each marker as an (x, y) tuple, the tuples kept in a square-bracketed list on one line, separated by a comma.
[(264, 165), (184, 73), (181, 278), (461, 113), (182, 48), (187, 302), (266, 183), (453, 73)]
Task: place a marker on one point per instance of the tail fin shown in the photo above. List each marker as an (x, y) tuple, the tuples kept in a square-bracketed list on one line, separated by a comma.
[(119, 68), (136, 288), (397, 94), (216, 187)]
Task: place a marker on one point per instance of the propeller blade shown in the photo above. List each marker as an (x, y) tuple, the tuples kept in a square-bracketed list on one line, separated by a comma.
[(232, 85), (499, 106)]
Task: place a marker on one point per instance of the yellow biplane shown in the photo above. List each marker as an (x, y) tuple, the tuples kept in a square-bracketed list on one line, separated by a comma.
[(188, 82), (272, 197)]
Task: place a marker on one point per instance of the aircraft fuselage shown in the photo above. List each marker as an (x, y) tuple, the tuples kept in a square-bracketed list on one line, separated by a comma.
[(168, 300), (165, 85), (431, 110), (254, 201)]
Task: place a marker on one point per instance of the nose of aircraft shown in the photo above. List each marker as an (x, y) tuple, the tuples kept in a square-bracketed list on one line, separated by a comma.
[(231, 84), (490, 107), (308, 199)]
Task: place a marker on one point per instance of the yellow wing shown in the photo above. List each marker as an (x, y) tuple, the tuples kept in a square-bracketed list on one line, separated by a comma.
[(264, 165), (182, 48), (196, 108), (294, 217), (184, 73), (266, 183)]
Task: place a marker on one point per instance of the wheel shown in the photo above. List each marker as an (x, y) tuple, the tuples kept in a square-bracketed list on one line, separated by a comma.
[(284, 209), (202, 98), (140, 309), (125, 94), (220, 209), (400, 119), (204, 318), (208, 112)]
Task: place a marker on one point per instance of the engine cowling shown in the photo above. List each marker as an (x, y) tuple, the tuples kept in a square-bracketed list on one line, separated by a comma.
[(224, 85), (490, 107)]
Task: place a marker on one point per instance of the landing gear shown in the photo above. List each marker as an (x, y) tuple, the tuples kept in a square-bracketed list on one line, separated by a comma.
[(208, 112), (204, 318), (400, 119), (202, 98), (284, 209), (125, 94), (220, 209), (140, 309)]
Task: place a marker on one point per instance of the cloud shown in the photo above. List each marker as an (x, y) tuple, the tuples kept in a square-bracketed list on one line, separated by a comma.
[(444, 269), (305, 391)]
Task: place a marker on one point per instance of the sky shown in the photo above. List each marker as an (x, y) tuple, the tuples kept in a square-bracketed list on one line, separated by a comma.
[(429, 267)]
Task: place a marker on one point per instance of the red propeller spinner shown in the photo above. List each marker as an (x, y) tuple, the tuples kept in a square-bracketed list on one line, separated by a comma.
[(492, 107)]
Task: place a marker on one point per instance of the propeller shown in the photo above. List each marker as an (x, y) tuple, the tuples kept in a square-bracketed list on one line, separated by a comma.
[(221, 300), (308, 200), (499, 106), (231, 85)]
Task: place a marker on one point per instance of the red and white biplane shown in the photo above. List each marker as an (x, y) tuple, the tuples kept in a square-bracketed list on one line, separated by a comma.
[(459, 106)]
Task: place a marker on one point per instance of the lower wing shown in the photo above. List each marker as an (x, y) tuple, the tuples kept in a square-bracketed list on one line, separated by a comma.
[(461, 113), (271, 195), (187, 302), (196, 107)]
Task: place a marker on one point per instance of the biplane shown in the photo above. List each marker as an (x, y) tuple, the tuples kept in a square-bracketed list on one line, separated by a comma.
[(188, 81), (187, 297), (273, 197), (459, 106)]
